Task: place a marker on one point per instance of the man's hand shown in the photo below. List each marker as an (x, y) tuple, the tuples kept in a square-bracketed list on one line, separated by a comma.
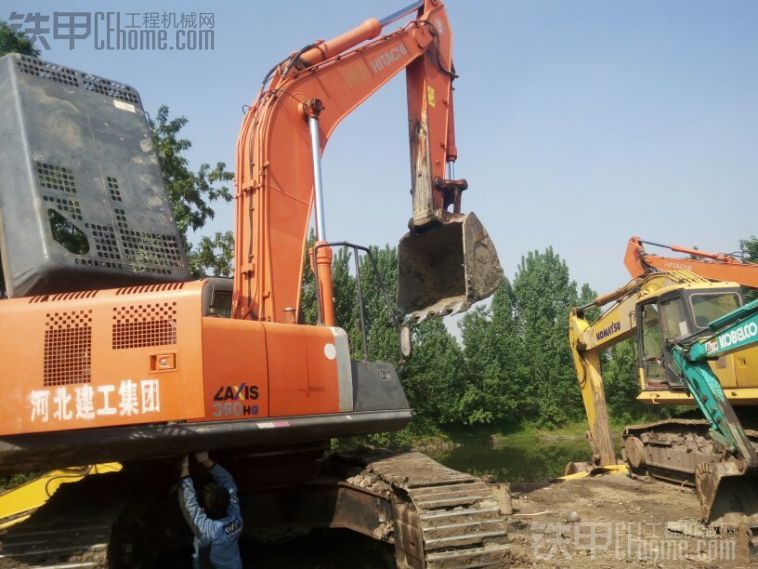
[(204, 459), (184, 472)]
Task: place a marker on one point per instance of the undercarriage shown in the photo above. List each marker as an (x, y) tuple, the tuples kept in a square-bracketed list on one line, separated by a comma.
[(683, 451), (435, 517)]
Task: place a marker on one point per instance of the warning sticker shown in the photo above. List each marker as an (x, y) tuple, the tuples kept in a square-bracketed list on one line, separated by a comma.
[(124, 106), (430, 96)]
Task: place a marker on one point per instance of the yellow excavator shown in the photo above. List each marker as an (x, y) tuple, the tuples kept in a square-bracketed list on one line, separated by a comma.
[(666, 313)]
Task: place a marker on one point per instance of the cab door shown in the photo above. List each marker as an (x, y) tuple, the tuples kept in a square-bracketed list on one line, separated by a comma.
[(661, 319), (650, 347)]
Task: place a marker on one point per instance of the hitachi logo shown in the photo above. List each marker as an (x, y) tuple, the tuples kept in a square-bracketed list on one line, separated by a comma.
[(609, 330), (388, 57), (677, 266)]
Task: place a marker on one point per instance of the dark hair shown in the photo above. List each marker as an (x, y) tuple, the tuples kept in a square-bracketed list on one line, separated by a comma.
[(215, 500)]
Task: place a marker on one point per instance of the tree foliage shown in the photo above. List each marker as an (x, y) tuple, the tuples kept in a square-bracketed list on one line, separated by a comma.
[(494, 352), (517, 352), (191, 195), (750, 248), (213, 255), (544, 296), (621, 382), (750, 251), (15, 42)]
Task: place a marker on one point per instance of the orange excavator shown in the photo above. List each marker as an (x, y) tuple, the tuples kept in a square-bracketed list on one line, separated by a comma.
[(109, 353), (717, 266)]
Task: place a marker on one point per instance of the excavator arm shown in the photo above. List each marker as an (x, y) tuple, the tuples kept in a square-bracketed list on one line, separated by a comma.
[(285, 132), (733, 331), (587, 343), (717, 266)]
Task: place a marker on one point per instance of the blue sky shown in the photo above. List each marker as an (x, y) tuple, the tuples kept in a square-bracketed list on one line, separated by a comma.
[(579, 123)]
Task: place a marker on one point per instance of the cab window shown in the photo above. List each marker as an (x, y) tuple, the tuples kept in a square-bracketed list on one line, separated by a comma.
[(708, 307), (652, 344), (221, 304), (674, 318)]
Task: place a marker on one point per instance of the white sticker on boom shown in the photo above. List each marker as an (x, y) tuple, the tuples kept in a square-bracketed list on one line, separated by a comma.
[(330, 351), (124, 106)]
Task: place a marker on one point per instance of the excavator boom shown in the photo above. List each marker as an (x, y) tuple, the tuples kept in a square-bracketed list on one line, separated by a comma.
[(283, 136), (717, 266)]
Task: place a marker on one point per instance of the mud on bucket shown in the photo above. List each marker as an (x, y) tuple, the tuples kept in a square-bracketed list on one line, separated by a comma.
[(725, 489), (446, 269)]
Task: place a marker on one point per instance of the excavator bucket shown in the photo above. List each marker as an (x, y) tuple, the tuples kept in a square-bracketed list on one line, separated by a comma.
[(446, 269), (726, 488)]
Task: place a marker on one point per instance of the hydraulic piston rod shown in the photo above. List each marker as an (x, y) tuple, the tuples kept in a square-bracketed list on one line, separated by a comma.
[(322, 256), (401, 13), (317, 182), (368, 30)]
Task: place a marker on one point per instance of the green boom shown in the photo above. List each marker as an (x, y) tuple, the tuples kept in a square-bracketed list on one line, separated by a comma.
[(732, 331)]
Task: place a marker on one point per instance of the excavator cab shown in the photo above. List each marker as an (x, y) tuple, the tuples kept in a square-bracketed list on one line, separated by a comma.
[(446, 268), (679, 314)]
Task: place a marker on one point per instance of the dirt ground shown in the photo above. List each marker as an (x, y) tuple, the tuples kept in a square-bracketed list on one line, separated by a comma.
[(614, 521), (603, 522)]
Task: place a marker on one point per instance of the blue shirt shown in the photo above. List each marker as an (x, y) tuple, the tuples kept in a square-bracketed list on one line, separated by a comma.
[(220, 536)]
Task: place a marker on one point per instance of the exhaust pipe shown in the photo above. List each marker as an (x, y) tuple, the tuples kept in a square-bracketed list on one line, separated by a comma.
[(445, 269)]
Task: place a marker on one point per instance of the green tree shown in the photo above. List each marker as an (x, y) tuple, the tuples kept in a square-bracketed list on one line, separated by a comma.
[(587, 295), (544, 294), (433, 376), (213, 255), (475, 404), (621, 381), (381, 330), (496, 376), (750, 250), (192, 193), (15, 42)]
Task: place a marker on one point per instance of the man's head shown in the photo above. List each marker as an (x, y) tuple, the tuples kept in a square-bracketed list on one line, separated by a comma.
[(215, 500)]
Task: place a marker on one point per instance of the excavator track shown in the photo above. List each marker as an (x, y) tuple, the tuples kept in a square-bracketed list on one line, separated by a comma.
[(672, 449), (682, 451), (444, 519)]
